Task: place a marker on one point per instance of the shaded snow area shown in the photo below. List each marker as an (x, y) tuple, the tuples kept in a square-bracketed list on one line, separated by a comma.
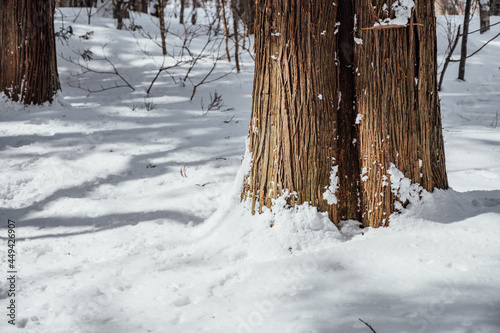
[(129, 221)]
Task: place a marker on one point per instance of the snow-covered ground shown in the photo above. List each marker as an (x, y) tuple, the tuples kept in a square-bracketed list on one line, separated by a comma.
[(128, 220)]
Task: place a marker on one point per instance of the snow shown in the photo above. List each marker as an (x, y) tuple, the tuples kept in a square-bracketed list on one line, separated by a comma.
[(359, 117), (329, 194), (112, 238), (402, 13)]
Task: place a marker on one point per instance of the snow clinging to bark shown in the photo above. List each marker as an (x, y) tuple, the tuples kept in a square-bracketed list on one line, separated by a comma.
[(402, 13), (329, 194)]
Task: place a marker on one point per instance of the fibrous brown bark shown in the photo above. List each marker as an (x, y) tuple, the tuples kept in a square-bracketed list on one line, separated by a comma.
[(293, 129), (396, 95), (337, 98), (28, 65)]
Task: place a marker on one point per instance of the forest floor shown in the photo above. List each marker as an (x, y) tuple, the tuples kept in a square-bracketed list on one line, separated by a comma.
[(128, 220)]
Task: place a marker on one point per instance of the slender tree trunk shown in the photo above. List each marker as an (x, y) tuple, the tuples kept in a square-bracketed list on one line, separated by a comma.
[(161, 19), (28, 64), (144, 6), (119, 12), (337, 102), (226, 30), (463, 54), (484, 14), (181, 14), (234, 8), (194, 16)]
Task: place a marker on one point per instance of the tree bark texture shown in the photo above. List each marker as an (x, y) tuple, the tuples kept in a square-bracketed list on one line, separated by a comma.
[(28, 64), (397, 97), (293, 129), (337, 98)]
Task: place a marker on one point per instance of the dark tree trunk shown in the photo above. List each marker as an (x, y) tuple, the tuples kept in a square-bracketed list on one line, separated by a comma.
[(484, 14), (332, 115), (234, 9), (194, 16), (144, 6), (28, 65), (181, 14), (463, 53), (248, 14)]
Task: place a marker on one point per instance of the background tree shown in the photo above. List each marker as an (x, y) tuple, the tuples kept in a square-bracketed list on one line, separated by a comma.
[(484, 15), (465, 36), (338, 101), (28, 65)]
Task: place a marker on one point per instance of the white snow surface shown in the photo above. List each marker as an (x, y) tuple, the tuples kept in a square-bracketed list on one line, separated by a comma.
[(111, 237)]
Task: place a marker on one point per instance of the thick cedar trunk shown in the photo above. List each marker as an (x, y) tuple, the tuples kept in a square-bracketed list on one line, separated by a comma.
[(322, 102), (396, 95), (293, 127), (28, 65)]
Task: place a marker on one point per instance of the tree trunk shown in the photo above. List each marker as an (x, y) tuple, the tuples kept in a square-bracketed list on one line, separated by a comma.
[(28, 64), (463, 54), (120, 12), (234, 8), (226, 30), (397, 98), (484, 14), (248, 15), (330, 115), (181, 14), (194, 16), (161, 19), (144, 6), (293, 134)]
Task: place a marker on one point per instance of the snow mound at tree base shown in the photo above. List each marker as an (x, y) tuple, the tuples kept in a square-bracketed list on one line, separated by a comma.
[(280, 233)]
